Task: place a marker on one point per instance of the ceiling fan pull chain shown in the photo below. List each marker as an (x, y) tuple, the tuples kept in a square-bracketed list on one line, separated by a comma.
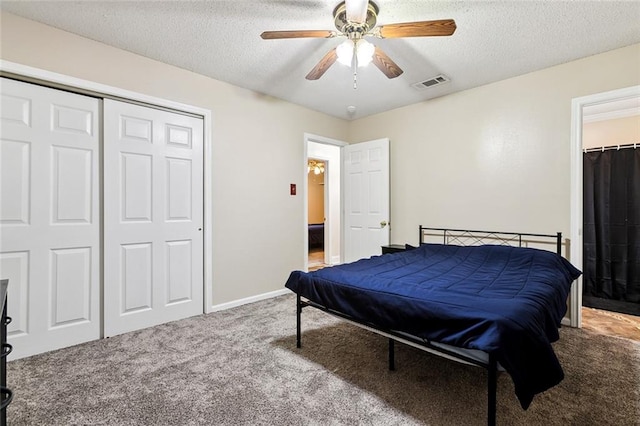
[(354, 64)]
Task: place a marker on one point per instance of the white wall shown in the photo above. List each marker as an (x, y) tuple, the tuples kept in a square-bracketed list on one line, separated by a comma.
[(495, 157), (257, 225)]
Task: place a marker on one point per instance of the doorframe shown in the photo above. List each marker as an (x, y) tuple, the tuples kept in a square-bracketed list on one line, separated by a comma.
[(309, 137), (577, 105), (81, 86)]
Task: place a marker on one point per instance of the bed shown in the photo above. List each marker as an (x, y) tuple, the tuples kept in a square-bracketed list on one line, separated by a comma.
[(484, 298), (316, 235)]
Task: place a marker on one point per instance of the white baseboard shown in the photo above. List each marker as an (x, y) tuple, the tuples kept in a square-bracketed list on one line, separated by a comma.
[(246, 300), (335, 260), (566, 321)]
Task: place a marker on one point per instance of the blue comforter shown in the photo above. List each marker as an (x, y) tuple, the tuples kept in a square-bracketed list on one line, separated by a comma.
[(506, 301)]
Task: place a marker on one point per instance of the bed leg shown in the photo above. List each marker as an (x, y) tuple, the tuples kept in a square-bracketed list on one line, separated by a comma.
[(298, 317), (392, 355), (492, 390)]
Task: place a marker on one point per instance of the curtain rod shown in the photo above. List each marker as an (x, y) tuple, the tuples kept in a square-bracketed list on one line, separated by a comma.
[(616, 147)]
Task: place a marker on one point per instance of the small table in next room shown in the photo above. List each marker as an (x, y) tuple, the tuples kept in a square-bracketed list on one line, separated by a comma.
[(393, 248)]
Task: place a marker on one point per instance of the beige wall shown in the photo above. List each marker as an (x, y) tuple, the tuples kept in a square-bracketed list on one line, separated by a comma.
[(620, 131), (493, 157), (257, 225)]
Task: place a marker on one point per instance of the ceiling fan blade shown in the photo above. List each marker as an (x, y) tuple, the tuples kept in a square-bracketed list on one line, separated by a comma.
[(322, 66), (443, 27), (356, 10), (271, 35), (385, 64)]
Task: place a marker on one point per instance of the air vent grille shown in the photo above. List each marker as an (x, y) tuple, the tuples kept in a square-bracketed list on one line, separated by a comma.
[(434, 81)]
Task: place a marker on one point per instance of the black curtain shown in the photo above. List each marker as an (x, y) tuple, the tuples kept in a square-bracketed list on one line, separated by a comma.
[(611, 257)]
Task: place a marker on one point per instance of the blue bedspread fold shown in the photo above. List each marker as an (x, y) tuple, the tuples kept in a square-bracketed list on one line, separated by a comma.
[(506, 301)]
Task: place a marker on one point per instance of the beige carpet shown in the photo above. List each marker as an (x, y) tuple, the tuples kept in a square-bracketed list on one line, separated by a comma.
[(241, 367)]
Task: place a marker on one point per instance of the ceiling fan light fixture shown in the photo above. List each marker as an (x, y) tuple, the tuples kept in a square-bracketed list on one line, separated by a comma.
[(364, 52), (355, 20), (317, 167), (345, 52)]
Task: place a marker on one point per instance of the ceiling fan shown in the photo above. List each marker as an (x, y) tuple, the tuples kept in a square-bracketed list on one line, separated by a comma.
[(355, 20)]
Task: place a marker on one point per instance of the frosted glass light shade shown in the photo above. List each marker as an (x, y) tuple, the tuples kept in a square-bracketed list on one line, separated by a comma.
[(345, 52), (365, 51)]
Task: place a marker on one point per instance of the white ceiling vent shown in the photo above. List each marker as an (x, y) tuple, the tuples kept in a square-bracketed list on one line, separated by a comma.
[(432, 82)]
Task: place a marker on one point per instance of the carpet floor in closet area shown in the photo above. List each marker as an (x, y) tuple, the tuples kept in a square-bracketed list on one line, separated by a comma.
[(241, 367)]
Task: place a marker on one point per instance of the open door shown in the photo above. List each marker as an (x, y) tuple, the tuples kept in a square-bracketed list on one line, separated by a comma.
[(366, 198)]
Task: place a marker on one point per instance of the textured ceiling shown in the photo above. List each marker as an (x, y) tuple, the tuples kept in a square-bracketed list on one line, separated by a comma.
[(221, 39)]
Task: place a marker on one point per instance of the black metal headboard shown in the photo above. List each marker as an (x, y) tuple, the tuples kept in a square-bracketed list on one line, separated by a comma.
[(467, 237)]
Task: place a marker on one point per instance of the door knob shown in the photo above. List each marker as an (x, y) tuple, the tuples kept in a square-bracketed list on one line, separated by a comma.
[(383, 224)]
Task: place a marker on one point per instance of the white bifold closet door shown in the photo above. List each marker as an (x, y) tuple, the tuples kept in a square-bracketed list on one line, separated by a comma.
[(153, 217), (49, 216)]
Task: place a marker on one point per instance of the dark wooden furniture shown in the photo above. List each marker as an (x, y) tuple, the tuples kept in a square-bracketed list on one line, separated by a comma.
[(316, 235), (6, 395), (393, 248)]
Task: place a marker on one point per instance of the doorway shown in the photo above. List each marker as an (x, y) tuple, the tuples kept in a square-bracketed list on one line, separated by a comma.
[(598, 120), (357, 186), (316, 201), (327, 152)]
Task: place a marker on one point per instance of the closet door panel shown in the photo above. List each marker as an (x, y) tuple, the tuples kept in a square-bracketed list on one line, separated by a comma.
[(70, 286), (14, 266), (15, 174), (136, 195), (179, 261), (49, 219), (136, 278), (72, 175), (152, 216)]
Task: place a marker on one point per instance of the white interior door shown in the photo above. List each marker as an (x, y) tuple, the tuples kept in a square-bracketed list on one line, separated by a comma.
[(153, 238), (49, 216), (366, 198)]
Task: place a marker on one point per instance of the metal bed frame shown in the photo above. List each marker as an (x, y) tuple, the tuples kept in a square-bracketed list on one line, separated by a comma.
[(463, 237)]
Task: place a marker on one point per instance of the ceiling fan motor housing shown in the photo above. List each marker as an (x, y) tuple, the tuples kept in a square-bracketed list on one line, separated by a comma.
[(355, 30)]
